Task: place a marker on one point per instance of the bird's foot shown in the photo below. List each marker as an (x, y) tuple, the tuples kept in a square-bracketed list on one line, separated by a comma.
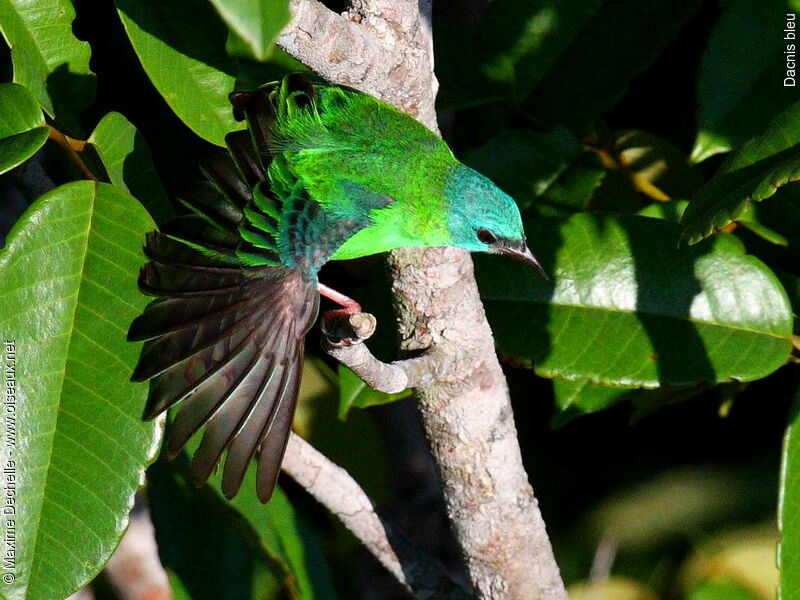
[(348, 305), (345, 328)]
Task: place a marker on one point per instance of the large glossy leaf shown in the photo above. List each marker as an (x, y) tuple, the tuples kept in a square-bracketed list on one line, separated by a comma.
[(129, 164), (256, 22), (22, 128), (181, 45), (48, 59), (626, 307), (740, 85), (67, 294), (751, 174), (789, 510), (618, 42)]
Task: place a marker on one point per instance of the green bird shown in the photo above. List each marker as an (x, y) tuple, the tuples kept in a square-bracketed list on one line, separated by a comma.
[(321, 173)]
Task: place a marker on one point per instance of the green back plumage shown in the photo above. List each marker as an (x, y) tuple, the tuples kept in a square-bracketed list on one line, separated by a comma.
[(330, 145), (328, 172)]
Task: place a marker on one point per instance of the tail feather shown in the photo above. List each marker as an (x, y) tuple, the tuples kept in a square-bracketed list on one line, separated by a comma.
[(274, 444), (173, 385), (210, 397), (225, 423)]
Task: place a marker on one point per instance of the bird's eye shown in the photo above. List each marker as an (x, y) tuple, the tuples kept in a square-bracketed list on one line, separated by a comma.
[(486, 236)]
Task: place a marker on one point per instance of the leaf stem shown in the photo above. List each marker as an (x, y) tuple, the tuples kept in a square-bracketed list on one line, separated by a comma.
[(72, 146)]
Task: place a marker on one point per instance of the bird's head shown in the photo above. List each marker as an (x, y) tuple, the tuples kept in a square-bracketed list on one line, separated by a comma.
[(482, 218)]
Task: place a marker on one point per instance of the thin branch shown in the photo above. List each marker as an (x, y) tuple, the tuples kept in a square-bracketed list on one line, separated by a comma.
[(367, 52), (135, 570), (336, 490), (385, 48), (343, 339)]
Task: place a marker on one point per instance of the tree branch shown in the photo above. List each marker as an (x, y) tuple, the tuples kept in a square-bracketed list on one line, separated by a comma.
[(385, 48), (361, 49), (333, 487), (135, 570)]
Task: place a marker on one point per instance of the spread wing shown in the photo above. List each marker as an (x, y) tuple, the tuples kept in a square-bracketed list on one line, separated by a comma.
[(228, 341), (236, 283)]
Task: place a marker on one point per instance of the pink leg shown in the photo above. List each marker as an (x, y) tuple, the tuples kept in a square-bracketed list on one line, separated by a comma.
[(331, 318), (349, 305)]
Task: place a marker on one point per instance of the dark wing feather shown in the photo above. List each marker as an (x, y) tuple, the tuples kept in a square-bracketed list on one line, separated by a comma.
[(229, 344), (225, 336)]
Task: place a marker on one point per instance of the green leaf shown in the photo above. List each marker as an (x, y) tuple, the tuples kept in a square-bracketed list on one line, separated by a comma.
[(573, 189), (181, 45), (618, 42), (129, 164), (354, 393), (740, 84), (67, 294), (667, 211), (581, 396), (256, 22), (22, 128), (721, 589), (18, 110), (751, 174), (789, 510), (626, 307), (777, 221), (277, 529), (206, 546), (48, 59), (575, 398), (520, 41)]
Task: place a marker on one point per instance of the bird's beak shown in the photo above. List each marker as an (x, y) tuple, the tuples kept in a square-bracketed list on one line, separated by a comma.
[(520, 251)]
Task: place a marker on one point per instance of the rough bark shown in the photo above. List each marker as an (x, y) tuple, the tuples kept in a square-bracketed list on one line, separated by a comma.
[(333, 487), (385, 48)]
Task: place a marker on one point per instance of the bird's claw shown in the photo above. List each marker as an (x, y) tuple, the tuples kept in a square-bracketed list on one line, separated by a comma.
[(342, 328)]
